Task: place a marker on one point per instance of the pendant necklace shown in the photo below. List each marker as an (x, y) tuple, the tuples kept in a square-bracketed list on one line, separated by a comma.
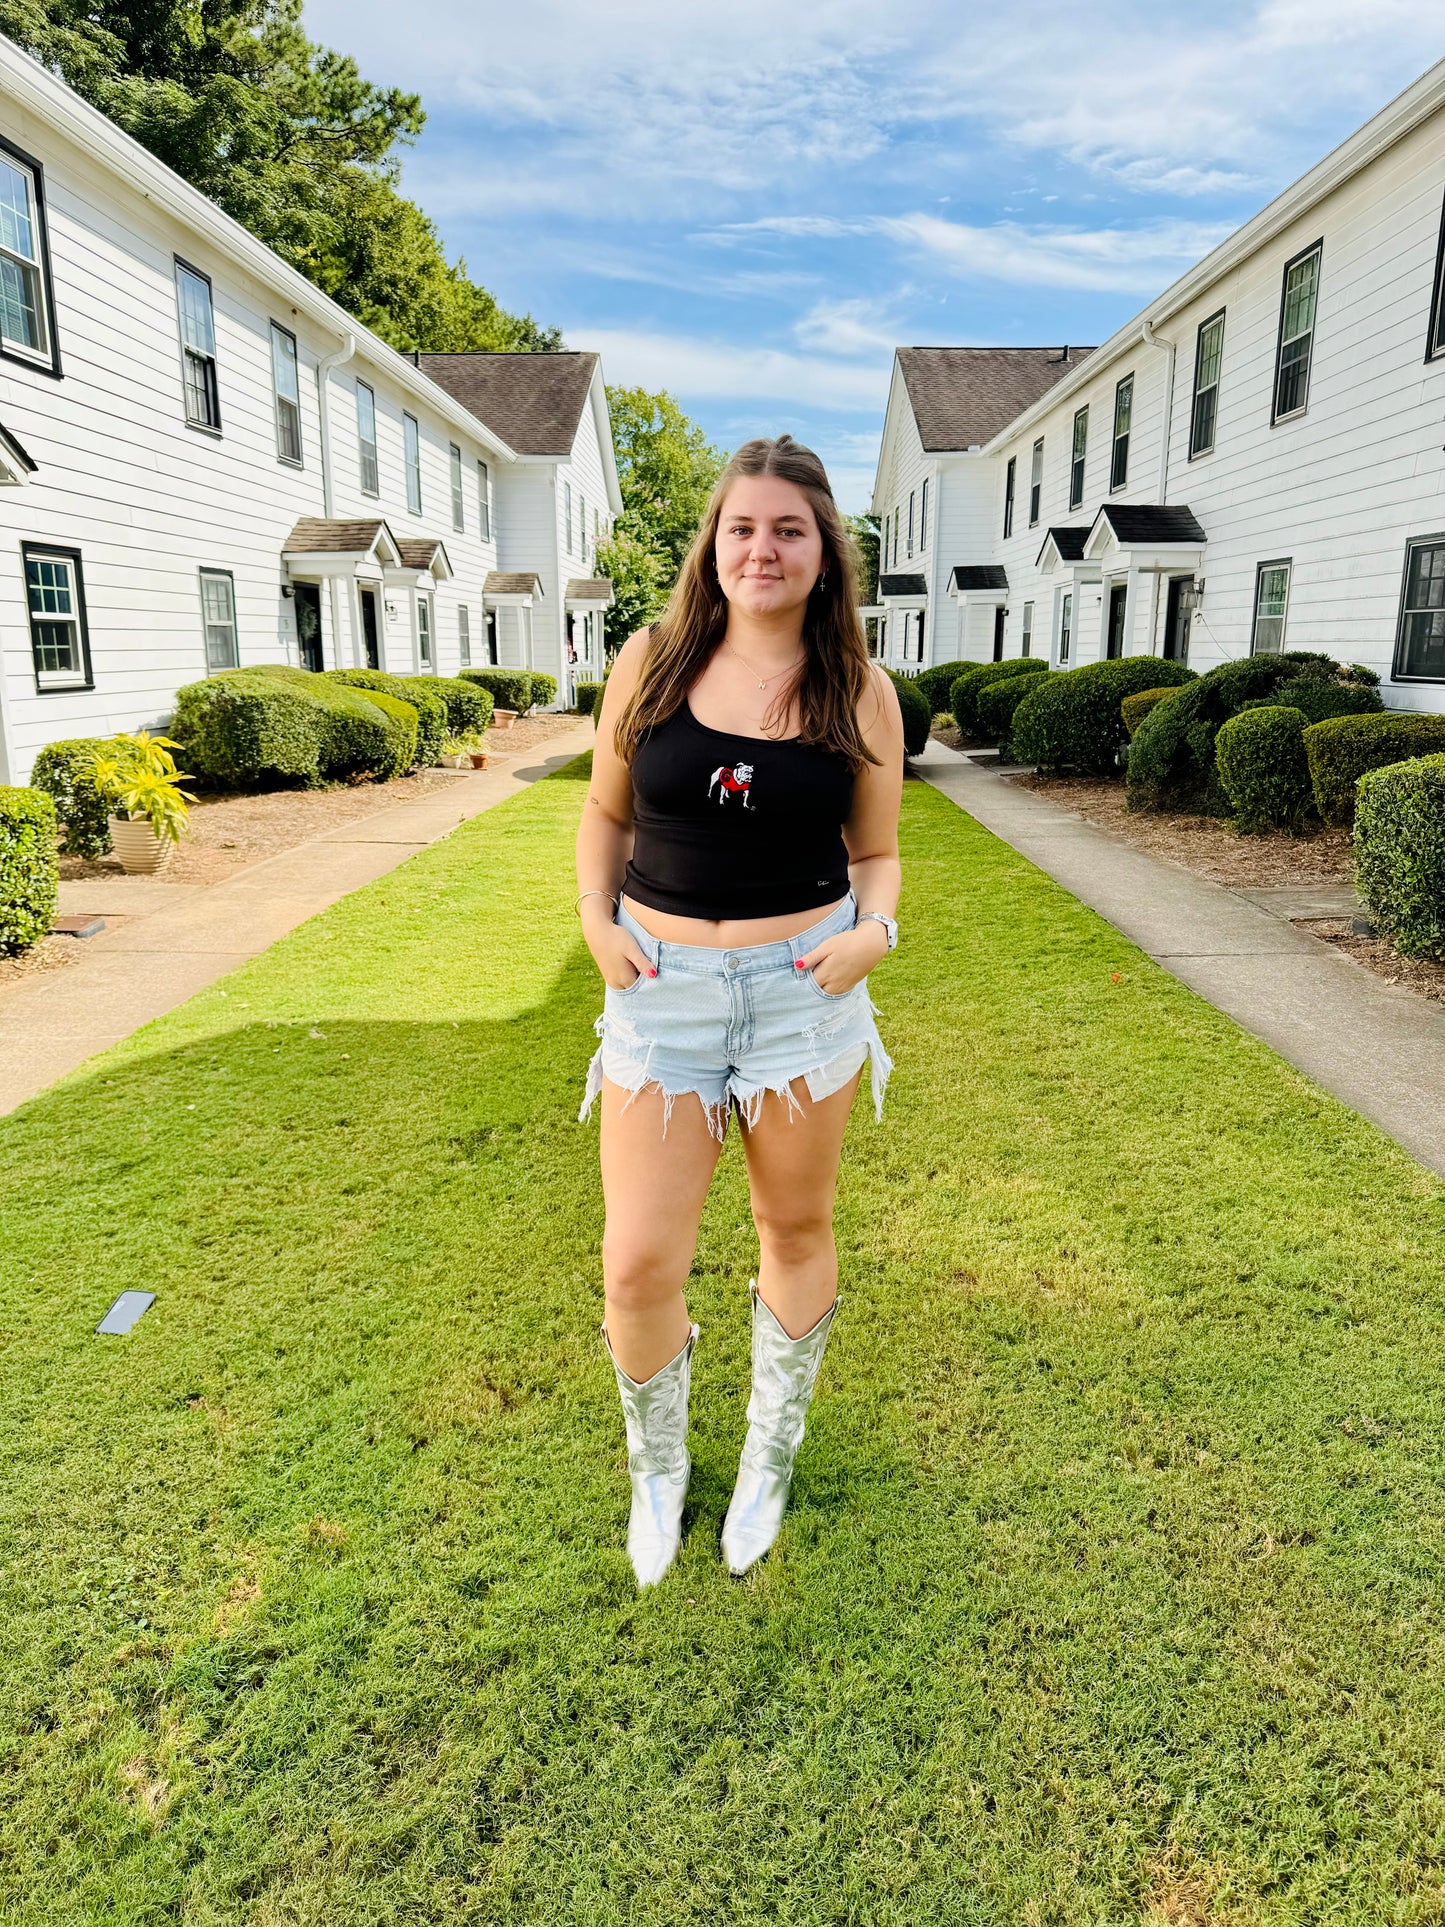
[(763, 681)]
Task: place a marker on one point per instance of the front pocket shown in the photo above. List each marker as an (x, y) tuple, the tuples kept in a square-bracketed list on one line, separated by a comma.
[(630, 990), (832, 996)]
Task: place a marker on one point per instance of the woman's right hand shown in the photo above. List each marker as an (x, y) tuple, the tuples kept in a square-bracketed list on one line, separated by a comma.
[(617, 954)]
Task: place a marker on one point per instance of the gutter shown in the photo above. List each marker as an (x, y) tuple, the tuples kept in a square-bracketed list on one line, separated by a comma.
[(1167, 349)]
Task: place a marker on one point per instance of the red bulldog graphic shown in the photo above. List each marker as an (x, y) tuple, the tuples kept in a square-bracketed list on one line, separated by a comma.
[(732, 782)]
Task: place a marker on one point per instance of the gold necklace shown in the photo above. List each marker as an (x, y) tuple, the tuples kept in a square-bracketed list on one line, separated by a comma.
[(763, 681)]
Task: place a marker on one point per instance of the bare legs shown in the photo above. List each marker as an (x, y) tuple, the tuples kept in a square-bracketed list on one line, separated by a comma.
[(793, 1178)]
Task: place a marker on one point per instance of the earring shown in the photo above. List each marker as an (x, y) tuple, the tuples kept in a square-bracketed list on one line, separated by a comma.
[(821, 583)]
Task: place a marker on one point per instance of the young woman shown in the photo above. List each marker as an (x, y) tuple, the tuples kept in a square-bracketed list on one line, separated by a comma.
[(738, 873)]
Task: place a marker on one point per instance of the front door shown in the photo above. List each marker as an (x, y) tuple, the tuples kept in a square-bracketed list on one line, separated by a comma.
[(999, 616), (1176, 619), (370, 629), (308, 624), (492, 656), (1118, 605)]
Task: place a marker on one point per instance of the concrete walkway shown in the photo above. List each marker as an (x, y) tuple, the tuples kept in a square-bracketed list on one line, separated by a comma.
[(178, 937), (1379, 1048)]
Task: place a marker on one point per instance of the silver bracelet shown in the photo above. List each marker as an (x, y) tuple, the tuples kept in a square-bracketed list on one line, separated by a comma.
[(577, 905)]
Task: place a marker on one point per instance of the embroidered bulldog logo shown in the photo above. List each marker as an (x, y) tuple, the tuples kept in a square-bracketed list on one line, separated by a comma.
[(732, 782)]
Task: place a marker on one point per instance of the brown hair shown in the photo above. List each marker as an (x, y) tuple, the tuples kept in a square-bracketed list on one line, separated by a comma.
[(835, 669)]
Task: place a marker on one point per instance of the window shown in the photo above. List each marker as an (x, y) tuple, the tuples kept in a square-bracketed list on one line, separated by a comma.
[(59, 641), (1010, 483), (423, 630), (464, 635), (911, 493), (366, 439), (567, 512), (25, 303), (1271, 601), (411, 437), (923, 516), (1066, 627), (1123, 416), (1076, 461), (1296, 333), (895, 538), (484, 501), (1036, 481), (218, 619), (198, 348), (1435, 341), (582, 525), (1028, 626), (459, 514), (285, 380), (1420, 646), (1208, 354)]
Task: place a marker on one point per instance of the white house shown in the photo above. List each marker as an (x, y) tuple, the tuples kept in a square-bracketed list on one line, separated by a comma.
[(1254, 462), (205, 462)]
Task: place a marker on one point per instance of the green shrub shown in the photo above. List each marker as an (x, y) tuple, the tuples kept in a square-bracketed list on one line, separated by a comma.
[(936, 682), (66, 772), (589, 698), (29, 872), (964, 689), (402, 719), (917, 716), (1074, 718), (544, 689), (432, 717), (509, 688), (1341, 749), (1260, 756), (249, 727), (468, 708), (1320, 698), (1400, 852), (996, 702), (1136, 707), (1171, 759)]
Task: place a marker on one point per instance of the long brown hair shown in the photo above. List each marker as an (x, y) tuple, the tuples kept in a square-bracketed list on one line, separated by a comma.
[(835, 669)]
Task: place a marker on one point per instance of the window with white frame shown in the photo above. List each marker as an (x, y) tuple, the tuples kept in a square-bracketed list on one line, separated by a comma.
[(911, 494), (464, 635), (218, 619), (1028, 627), (1271, 605), (1123, 421), (1208, 358), (55, 596), (1010, 485), (1066, 626), (411, 441), (1420, 645), (1036, 482), (423, 630), (923, 516), (198, 348), (1296, 333), (1076, 459), (286, 385), (1435, 340), (567, 513), (26, 328), (459, 513), (484, 501), (366, 439)]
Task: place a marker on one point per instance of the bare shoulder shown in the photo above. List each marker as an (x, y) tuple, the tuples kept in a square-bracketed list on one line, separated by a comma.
[(629, 659), (878, 710)]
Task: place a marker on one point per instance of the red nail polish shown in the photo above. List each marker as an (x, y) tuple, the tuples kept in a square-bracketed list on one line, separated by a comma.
[(798, 964), (651, 973)]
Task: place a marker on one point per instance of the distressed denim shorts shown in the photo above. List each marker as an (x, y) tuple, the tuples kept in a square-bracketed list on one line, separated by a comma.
[(730, 1025)]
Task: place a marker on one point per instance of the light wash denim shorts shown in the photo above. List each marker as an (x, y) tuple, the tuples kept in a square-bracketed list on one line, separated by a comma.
[(730, 1025)]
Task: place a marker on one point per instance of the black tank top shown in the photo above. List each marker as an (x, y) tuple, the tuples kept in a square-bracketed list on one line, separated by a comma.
[(736, 826)]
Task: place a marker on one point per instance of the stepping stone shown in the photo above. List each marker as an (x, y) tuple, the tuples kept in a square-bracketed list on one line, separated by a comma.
[(77, 926)]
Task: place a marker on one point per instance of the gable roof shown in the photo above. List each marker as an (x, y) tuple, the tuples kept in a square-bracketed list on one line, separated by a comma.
[(336, 535), (1146, 524), (902, 585), (962, 397), (512, 582), (1068, 543), (534, 402), (589, 588), (15, 462), (984, 575)]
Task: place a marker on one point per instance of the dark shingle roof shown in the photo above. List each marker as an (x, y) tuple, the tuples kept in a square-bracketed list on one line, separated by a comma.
[(963, 396), (11, 446), (985, 575), (328, 535), (1137, 523), (512, 582), (1068, 542), (902, 585), (534, 402)]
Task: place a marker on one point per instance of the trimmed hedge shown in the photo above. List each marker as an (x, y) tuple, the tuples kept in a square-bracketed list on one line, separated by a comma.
[(996, 702), (589, 698), (1343, 748), (66, 773), (544, 689), (432, 721), (1074, 719), (1260, 755), (964, 690), (29, 870), (936, 682), (1320, 700), (401, 737), (467, 707), (508, 688), (1400, 852), (1171, 759), (1136, 707), (275, 724), (917, 716)]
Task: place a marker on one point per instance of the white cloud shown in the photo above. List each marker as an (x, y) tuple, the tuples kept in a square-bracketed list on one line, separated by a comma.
[(717, 370), (848, 327)]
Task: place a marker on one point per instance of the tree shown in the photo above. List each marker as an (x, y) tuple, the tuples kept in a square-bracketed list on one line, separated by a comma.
[(866, 539), (666, 469), (641, 575), (288, 138)]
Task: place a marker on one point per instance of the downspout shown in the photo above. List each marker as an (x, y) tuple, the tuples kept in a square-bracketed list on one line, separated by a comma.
[(1167, 349), (323, 378)]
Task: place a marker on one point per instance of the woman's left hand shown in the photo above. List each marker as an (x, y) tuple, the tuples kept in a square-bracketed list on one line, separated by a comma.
[(840, 962)]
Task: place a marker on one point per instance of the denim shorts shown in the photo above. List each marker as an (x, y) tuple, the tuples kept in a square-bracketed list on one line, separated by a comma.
[(730, 1025)]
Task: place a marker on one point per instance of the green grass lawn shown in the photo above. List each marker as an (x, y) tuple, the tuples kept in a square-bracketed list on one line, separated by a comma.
[(1112, 1587)]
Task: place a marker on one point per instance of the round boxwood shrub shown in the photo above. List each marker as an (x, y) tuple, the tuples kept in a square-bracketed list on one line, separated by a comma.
[(509, 688), (1400, 852), (544, 689), (401, 752), (1074, 718), (964, 690), (248, 727), (917, 716), (468, 708), (29, 872), (935, 683), (589, 698), (66, 773), (1321, 697), (1341, 749), (1136, 707), (419, 691), (1260, 756), (997, 701)]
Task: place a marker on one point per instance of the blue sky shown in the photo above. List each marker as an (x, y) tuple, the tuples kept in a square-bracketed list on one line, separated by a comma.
[(752, 205)]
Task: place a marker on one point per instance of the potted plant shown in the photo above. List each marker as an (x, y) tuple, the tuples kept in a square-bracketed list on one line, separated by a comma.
[(503, 718), (137, 776)]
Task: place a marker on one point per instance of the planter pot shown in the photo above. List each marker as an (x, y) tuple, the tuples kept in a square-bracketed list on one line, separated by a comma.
[(503, 718), (454, 759), (142, 853), (479, 759)]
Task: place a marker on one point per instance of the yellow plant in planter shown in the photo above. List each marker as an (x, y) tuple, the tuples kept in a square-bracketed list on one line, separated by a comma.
[(137, 776)]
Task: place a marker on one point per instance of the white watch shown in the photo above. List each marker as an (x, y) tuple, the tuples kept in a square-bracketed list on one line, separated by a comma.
[(890, 927)]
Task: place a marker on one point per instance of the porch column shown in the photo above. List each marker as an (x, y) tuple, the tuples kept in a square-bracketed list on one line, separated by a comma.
[(1133, 584)]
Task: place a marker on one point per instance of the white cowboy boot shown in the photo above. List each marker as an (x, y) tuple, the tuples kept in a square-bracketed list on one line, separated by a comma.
[(657, 1459), (785, 1370)]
